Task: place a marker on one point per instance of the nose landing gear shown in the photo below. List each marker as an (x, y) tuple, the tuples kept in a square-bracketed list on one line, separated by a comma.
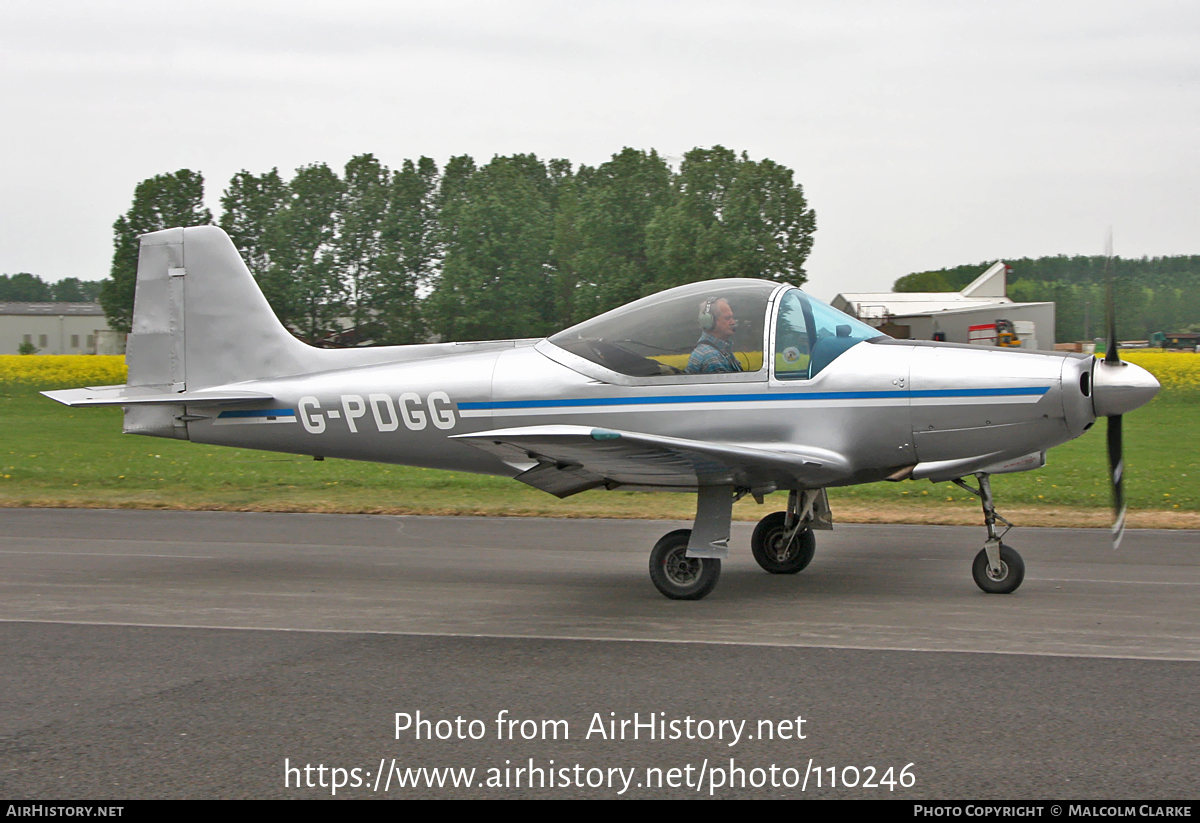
[(997, 569)]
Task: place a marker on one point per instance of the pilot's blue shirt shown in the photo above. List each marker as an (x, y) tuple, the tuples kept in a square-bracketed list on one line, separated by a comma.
[(712, 356)]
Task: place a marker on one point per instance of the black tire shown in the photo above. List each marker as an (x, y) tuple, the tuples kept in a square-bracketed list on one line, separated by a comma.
[(768, 549), (1012, 571), (678, 576)]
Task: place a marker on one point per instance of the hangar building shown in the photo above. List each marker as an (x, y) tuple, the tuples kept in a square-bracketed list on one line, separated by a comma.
[(57, 328), (968, 316)]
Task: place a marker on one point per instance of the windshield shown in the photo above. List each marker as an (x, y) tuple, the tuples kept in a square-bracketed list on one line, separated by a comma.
[(713, 327), (809, 335)]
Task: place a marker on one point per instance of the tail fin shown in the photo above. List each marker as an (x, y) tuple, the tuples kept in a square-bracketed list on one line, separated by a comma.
[(200, 322), (199, 318)]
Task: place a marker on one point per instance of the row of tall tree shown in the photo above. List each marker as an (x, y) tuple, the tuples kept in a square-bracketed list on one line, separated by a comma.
[(24, 287), (516, 247), (1150, 294)]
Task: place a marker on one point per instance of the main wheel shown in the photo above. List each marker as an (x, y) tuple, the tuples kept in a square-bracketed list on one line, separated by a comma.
[(769, 550), (678, 576), (1012, 571)]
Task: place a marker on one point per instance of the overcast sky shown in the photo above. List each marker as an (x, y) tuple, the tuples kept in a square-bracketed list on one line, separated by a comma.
[(925, 134)]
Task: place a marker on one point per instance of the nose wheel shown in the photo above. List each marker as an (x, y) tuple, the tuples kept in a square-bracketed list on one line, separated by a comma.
[(1004, 580), (678, 576)]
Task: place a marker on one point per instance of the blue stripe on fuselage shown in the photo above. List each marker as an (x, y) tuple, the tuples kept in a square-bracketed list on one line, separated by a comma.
[(743, 398), (257, 413)]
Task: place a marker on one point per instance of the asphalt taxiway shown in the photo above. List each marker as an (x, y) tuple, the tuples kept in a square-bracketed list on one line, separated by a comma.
[(190, 654)]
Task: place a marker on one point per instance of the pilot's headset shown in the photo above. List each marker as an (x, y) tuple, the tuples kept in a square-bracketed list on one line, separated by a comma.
[(706, 319)]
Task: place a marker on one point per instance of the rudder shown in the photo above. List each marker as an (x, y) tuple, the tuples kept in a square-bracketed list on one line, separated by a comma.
[(200, 319)]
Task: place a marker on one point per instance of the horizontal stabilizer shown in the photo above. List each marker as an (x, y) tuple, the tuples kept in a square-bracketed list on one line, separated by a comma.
[(137, 396)]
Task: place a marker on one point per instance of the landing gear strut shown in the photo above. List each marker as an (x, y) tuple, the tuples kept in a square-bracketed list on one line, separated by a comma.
[(997, 569)]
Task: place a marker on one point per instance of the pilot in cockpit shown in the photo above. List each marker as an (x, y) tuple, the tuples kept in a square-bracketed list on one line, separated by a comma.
[(713, 353)]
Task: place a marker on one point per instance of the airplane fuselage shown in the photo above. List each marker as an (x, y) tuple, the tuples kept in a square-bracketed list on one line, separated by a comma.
[(882, 406)]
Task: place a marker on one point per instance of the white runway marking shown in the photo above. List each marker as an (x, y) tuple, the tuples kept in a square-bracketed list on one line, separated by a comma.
[(114, 554), (604, 639)]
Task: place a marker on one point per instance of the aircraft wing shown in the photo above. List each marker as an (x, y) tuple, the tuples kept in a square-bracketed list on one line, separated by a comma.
[(565, 460)]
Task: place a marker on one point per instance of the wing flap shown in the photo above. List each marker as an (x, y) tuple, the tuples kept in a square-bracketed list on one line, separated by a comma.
[(561, 480)]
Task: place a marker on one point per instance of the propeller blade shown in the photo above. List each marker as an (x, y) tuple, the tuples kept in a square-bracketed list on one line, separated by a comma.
[(1110, 353), (1112, 357), (1116, 465)]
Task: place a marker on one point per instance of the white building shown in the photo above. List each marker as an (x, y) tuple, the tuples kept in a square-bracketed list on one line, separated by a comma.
[(58, 328), (968, 316)]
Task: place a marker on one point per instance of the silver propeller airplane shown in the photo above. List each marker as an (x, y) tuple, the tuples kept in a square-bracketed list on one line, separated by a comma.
[(782, 392)]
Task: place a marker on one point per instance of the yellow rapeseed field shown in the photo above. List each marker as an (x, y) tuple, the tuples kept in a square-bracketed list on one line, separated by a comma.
[(1176, 371), (62, 369)]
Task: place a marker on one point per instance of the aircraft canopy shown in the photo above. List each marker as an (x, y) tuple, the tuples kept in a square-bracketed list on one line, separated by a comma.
[(657, 335)]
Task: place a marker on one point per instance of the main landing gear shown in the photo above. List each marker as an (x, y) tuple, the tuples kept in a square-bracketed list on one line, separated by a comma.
[(686, 564), (997, 569), (783, 547)]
